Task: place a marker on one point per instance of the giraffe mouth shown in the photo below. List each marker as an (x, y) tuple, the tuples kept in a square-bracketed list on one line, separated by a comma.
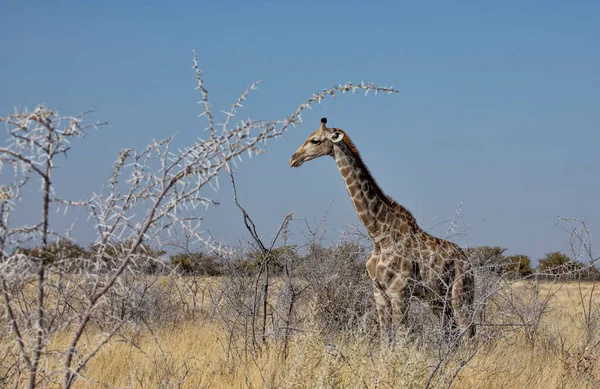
[(296, 162), (297, 159)]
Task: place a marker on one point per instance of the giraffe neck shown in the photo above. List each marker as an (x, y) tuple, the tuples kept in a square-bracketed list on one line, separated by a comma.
[(376, 211)]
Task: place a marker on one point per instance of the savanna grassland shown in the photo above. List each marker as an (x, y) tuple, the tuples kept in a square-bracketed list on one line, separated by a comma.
[(212, 349)]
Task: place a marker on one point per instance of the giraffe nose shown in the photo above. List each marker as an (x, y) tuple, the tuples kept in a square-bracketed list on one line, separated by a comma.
[(294, 161)]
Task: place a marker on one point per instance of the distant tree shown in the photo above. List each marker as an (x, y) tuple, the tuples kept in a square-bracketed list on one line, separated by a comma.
[(488, 257), (493, 258), (147, 257), (64, 252), (277, 258), (519, 265), (558, 263), (197, 263)]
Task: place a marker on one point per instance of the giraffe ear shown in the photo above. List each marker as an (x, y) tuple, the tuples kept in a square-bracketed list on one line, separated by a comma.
[(337, 136)]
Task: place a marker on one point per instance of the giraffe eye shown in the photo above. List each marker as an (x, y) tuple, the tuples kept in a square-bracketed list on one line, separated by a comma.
[(315, 141)]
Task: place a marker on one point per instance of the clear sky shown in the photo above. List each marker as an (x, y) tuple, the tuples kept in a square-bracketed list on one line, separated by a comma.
[(499, 102)]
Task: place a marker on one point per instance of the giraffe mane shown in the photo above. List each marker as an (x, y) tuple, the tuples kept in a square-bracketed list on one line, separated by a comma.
[(379, 192)]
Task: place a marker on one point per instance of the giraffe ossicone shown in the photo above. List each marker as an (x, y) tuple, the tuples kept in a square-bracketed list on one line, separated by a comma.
[(406, 261)]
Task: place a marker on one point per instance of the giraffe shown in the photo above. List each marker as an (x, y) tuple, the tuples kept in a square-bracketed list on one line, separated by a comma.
[(405, 261)]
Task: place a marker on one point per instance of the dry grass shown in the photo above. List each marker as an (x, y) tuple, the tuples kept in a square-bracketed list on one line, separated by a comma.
[(195, 356), (199, 355)]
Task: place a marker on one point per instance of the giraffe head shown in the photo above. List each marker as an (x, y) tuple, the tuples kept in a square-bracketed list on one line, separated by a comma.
[(318, 144)]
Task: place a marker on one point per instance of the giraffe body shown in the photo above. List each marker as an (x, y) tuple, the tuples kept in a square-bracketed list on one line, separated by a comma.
[(406, 261)]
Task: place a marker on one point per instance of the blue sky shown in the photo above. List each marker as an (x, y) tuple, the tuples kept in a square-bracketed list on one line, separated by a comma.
[(498, 104)]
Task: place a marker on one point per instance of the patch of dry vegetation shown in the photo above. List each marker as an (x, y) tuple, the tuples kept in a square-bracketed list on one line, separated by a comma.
[(200, 353)]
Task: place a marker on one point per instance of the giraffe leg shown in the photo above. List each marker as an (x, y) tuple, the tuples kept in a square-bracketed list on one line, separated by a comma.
[(444, 304), (399, 296), (463, 296), (444, 310), (382, 300), (384, 311)]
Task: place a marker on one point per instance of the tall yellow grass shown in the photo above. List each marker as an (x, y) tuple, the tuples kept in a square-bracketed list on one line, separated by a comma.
[(195, 355)]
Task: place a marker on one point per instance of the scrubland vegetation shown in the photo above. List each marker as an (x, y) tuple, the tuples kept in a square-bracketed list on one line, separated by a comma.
[(203, 331), (121, 312), (556, 354)]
